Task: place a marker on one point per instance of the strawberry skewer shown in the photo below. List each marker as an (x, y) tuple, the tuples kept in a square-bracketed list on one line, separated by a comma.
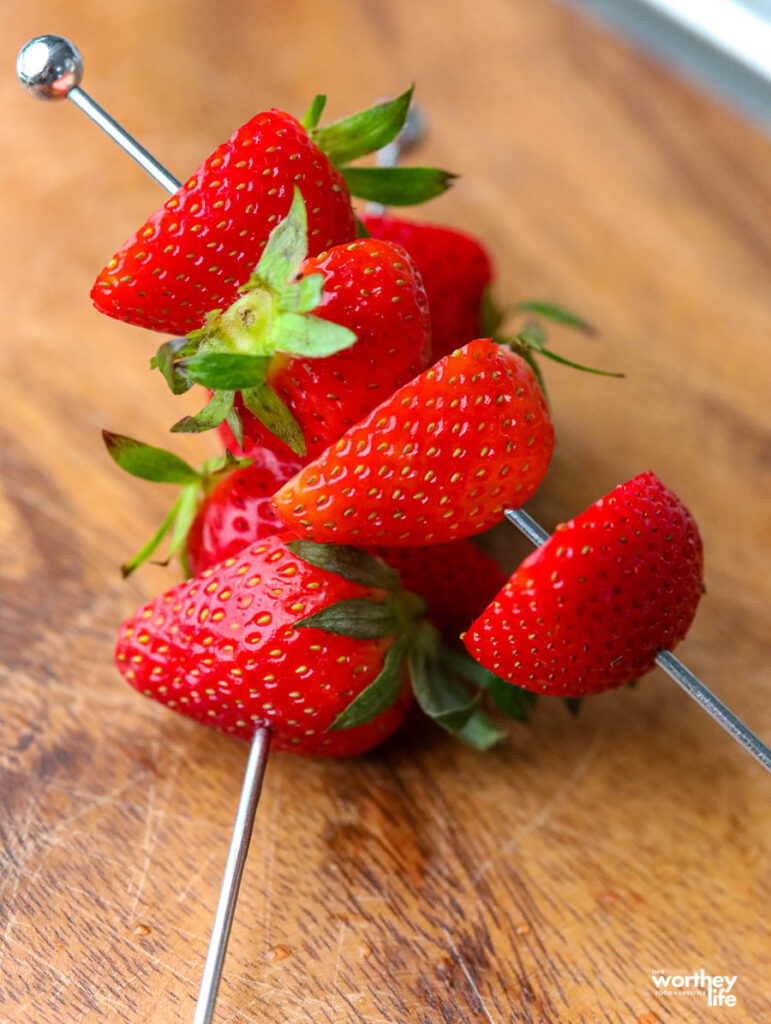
[(670, 664), (50, 68)]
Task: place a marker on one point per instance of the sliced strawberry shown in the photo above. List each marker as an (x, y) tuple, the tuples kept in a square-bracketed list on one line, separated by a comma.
[(437, 461), (591, 608)]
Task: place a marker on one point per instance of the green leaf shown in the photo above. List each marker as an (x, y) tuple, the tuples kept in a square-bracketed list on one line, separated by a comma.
[(578, 366), (397, 186), (236, 425), (302, 334), (379, 695), (557, 313), (529, 357), (356, 617), (361, 229), (218, 408), (142, 555), (481, 732), (362, 133), (226, 371), (312, 115), (302, 296), (532, 336), (287, 246), (352, 564), (188, 506), (165, 361), (573, 704), (148, 463), (490, 316), (512, 700), (275, 416), (439, 693)]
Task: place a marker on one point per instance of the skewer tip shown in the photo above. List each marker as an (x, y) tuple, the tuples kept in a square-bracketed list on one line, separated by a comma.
[(48, 67)]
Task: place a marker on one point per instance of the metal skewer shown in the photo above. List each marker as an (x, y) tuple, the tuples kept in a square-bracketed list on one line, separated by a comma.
[(51, 68), (674, 668)]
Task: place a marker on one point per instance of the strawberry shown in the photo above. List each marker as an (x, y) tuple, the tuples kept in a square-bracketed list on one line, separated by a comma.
[(237, 512), (225, 507), (458, 275), (438, 460), (309, 640), (590, 609), (456, 272), (455, 580), (195, 252), (374, 290), (274, 362)]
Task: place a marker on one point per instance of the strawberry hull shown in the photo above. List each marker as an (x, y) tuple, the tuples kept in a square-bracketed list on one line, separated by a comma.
[(373, 289), (192, 255)]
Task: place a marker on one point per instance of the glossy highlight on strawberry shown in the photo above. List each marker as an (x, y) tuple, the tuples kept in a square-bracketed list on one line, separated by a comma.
[(192, 255), (590, 609), (437, 461)]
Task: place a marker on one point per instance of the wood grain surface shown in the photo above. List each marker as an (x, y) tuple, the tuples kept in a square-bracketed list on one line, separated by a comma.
[(541, 883)]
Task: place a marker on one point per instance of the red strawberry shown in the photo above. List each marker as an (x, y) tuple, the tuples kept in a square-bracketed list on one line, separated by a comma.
[(590, 609), (229, 649), (237, 511), (373, 289), (319, 643), (456, 271), (437, 461), (455, 580), (194, 252)]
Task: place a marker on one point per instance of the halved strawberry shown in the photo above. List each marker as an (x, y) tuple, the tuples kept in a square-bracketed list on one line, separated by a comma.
[(437, 461), (591, 608)]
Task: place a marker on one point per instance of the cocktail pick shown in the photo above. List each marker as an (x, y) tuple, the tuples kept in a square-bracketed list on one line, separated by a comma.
[(51, 68), (667, 661)]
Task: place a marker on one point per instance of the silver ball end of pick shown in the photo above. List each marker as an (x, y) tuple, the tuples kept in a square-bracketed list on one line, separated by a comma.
[(48, 67)]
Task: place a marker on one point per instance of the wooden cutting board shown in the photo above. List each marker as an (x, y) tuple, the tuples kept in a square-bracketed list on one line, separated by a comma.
[(546, 881)]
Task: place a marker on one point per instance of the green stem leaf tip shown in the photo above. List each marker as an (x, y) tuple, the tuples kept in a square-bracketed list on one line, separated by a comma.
[(232, 352), (160, 466), (359, 134)]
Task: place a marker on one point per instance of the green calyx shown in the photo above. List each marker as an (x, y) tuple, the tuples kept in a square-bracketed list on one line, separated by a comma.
[(365, 132), (529, 339), (158, 465), (449, 687), (232, 352)]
